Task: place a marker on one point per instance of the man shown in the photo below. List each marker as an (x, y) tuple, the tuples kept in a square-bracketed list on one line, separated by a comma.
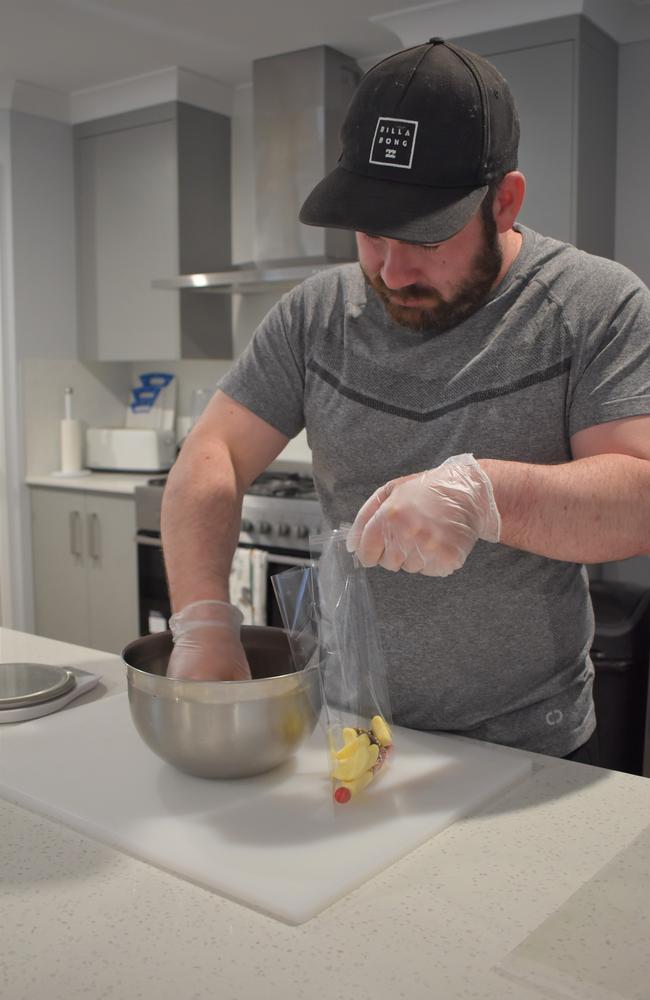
[(477, 401)]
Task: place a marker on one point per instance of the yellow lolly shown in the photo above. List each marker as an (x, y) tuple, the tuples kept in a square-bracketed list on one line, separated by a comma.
[(354, 766), (353, 747), (381, 730), (373, 754), (349, 734), (356, 786), (348, 770)]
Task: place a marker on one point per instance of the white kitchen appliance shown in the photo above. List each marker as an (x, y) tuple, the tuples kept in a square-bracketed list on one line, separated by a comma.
[(275, 842), (130, 449), (147, 441)]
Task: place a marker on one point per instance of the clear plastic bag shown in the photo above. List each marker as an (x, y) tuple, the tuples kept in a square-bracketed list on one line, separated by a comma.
[(327, 608)]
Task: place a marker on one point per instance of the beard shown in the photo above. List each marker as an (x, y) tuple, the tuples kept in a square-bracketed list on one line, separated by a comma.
[(443, 314)]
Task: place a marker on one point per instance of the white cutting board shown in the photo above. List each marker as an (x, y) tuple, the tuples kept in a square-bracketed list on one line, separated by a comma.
[(276, 842)]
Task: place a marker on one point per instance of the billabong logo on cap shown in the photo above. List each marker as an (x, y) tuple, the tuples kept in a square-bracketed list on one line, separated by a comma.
[(394, 142)]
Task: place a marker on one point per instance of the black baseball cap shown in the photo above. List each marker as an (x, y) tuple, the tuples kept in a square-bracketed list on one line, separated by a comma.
[(426, 131)]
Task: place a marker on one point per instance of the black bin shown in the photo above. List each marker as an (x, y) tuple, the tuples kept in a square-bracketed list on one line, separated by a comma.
[(621, 658)]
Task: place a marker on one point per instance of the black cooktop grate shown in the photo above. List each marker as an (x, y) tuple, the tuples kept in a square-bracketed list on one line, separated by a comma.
[(283, 484)]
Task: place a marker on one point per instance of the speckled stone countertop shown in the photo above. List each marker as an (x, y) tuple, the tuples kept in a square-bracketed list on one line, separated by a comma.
[(80, 920)]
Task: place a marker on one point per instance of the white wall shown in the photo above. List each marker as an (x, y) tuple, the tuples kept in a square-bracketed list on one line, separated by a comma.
[(7, 364), (12, 583), (100, 395)]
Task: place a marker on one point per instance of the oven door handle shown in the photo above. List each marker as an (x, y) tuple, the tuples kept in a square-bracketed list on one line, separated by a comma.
[(282, 560), (149, 540)]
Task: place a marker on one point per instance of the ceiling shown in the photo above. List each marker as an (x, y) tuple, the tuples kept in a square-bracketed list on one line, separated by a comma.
[(71, 45)]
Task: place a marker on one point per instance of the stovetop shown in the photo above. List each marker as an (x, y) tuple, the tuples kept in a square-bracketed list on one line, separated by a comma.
[(271, 483), (280, 508), (283, 484)]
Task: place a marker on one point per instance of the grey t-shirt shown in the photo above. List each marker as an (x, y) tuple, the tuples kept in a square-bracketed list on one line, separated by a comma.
[(499, 650)]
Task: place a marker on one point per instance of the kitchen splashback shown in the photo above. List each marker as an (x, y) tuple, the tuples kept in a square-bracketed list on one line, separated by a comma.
[(101, 390)]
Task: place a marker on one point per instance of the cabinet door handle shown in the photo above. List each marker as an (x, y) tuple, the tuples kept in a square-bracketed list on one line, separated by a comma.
[(94, 538), (76, 538)]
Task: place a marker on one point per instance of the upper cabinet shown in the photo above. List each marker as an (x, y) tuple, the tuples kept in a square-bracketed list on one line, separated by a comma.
[(563, 74), (152, 201)]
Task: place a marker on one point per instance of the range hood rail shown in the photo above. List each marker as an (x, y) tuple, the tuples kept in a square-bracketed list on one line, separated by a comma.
[(251, 277)]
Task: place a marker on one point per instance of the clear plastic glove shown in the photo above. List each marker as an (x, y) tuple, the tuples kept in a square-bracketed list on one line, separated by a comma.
[(427, 523), (207, 644)]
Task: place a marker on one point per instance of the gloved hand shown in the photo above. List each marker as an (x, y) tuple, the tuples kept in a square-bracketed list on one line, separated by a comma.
[(427, 523), (207, 646)]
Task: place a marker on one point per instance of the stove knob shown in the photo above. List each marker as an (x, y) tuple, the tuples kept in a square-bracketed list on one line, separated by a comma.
[(302, 531), (246, 525), (264, 528), (284, 530)]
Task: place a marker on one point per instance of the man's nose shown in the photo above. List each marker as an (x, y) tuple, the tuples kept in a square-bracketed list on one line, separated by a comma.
[(400, 265)]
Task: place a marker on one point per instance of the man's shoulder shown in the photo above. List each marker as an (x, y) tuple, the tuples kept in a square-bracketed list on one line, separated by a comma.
[(545, 253), (559, 264), (323, 300), (332, 281)]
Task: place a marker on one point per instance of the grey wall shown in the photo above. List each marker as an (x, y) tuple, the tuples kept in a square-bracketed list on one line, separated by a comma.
[(42, 198), (632, 238), (633, 161), (39, 309)]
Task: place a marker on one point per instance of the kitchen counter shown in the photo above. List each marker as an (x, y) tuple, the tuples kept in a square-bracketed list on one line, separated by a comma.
[(96, 482), (80, 920)]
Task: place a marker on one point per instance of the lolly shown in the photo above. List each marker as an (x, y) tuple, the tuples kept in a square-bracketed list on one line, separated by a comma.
[(360, 758), (353, 746), (381, 730)]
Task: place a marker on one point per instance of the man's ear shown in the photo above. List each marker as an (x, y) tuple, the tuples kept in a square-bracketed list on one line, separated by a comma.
[(508, 200)]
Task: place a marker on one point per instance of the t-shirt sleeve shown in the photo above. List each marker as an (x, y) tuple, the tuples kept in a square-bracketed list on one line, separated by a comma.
[(269, 376), (612, 365)]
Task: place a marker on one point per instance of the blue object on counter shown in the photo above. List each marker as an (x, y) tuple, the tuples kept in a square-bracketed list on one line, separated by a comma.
[(142, 399), (144, 396), (160, 379)]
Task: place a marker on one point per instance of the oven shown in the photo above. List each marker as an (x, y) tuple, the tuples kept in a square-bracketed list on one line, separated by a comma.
[(279, 513)]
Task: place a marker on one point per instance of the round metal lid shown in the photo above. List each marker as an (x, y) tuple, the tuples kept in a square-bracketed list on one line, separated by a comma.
[(23, 684)]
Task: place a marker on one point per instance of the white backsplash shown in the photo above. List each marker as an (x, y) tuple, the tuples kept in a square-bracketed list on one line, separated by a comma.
[(248, 312), (101, 395), (205, 375), (101, 391)]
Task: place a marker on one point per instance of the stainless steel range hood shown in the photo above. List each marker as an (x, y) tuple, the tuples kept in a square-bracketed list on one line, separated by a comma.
[(254, 276), (299, 102)]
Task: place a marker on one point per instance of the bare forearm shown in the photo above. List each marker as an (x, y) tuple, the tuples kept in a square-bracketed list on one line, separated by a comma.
[(200, 524), (594, 509)]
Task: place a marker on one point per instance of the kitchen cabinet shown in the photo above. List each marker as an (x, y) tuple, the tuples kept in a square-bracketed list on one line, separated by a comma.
[(85, 567), (152, 192), (563, 73)]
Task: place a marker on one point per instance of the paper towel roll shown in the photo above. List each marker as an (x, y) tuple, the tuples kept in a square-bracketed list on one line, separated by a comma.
[(71, 445)]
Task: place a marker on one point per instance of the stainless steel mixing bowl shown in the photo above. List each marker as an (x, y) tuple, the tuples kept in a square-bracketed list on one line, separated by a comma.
[(223, 729)]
